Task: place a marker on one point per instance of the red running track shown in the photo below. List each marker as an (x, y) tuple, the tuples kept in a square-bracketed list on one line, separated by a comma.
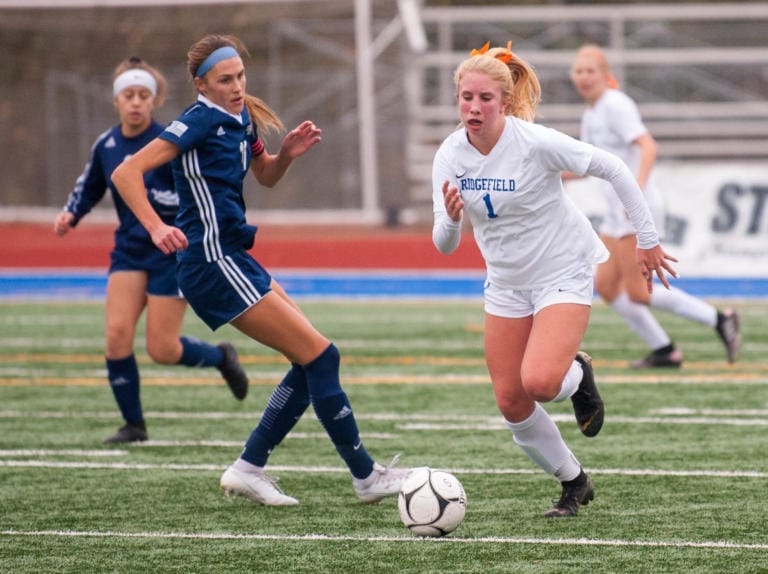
[(26, 245)]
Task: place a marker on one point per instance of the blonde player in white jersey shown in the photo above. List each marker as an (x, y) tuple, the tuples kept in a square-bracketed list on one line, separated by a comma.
[(612, 122), (503, 172)]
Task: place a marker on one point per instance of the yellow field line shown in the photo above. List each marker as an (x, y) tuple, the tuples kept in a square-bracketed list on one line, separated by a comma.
[(82, 358), (438, 379)]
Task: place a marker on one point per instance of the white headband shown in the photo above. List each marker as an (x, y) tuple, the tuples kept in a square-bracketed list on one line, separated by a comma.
[(135, 77)]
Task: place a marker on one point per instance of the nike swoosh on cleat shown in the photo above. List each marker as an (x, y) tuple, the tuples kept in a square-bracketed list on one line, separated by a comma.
[(586, 424)]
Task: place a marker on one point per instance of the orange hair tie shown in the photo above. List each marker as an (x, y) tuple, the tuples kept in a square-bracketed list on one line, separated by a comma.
[(506, 57), (481, 51)]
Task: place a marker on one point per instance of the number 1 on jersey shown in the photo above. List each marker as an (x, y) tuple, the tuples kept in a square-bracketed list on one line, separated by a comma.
[(489, 206)]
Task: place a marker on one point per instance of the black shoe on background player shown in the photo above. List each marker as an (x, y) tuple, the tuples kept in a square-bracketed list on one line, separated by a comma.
[(129, 432), (587, 404), (233, 372)]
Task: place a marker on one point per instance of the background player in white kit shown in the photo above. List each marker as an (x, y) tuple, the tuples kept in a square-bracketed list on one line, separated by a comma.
[(504, 172), (612, 122)]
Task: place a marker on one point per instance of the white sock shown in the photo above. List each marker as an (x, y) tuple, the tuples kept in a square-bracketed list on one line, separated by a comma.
[(640, 319), (245, 466), (541, 440), (570, 383), (684, 305)]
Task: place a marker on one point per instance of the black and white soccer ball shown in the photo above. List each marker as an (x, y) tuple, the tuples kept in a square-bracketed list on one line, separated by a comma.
[(432, 502)]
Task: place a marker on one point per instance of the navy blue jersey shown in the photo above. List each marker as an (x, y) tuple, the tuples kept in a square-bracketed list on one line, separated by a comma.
[(109, 150), (215, 155)]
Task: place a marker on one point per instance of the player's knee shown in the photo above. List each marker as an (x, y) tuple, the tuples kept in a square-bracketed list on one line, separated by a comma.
[(164, 352), (323, 374), (541, 385), (640, 296), (606, 291), (327, 361), (511, 400), (119, 340)]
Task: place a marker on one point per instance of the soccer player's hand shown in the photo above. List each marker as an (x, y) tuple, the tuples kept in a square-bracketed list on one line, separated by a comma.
[(298, 141), (63, 222), (454, 205), (655, 259), (169, 239)]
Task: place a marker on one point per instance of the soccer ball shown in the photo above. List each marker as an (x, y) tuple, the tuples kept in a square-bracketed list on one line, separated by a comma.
[(432, 502)]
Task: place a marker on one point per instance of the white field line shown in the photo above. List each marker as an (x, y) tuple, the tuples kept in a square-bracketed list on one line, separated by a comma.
[(51, 464), (424, 421), (23, 377), (682, 411), (673, 414), (719, 544), (240, 443), (5, 453), (499, 425), (63, 452)]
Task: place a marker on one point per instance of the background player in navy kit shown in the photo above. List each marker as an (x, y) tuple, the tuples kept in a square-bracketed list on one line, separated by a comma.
[(140, 275), (612, 122), (504, 172), (213, 145)]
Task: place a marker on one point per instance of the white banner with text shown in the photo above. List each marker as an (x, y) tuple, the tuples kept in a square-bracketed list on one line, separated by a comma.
[(717, 215)]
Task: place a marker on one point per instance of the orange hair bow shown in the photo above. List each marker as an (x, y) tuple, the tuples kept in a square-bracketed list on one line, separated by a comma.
[(481, 51), (505, 57)]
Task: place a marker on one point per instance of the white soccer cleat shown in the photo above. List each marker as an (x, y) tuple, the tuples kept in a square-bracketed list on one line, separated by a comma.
[(255, 486), (383, 481)]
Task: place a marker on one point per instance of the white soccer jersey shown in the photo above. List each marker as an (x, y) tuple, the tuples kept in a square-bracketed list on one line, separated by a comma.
[(613, 123), (528, 230)]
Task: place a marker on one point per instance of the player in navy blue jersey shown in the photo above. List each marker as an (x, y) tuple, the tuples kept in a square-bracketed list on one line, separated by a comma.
[(212, 146), (141, 275)]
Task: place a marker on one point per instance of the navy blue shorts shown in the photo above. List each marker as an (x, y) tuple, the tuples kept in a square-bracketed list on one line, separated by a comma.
[(221, 291), (160, 270)]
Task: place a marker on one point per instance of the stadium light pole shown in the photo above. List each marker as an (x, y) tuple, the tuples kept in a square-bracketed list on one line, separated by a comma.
[(414, 26), (369, 173), (367, 51)]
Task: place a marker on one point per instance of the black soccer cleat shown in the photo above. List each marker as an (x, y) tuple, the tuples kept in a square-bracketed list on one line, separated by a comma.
[(233, 372), (587, 404), (729, 331), (571, 498), (129, 432), (665, 357)]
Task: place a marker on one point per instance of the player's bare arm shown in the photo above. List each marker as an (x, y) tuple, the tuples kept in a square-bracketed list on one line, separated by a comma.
[(269, 169), (129, 180)]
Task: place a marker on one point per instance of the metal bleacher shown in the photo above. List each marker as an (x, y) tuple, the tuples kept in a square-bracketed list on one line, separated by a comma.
[(699, 72)]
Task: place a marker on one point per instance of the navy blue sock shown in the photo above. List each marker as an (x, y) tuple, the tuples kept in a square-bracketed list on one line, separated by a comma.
[(197, 353), (124, 380), (288, 402), (335, 413)]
